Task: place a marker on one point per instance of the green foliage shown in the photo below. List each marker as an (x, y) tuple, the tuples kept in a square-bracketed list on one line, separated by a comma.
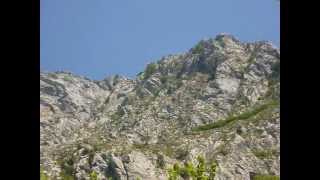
[(93, 176), (242, 116), (266, 177), (201, 168), (198, 49), (67, 169), (212, 170), (199, 172), (67, 78), (189, 171), (174, 172), (151, 68), (65, 176), (43, 176), (263, 154)]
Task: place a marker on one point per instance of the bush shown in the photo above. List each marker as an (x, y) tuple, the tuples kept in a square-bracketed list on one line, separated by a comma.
[(67, 170), (43, 176), (199, 172), (266, 177), (174, 172), (93, 176), (198, 49), (151, 68)]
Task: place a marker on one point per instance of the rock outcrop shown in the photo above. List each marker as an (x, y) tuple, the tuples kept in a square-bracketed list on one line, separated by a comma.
[(219, 100)]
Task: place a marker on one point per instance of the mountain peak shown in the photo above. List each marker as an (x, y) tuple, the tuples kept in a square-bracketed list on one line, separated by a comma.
[(218, 100)]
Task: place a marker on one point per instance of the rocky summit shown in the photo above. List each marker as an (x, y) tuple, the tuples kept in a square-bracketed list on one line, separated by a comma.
[(218, 101)]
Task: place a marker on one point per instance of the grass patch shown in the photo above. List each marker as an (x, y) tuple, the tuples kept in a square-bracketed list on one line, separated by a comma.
[(266, 177), (43, 176), (242, 116), (67, 78)]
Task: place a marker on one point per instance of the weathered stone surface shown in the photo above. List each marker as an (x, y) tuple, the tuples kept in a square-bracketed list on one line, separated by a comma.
[(118, 127)]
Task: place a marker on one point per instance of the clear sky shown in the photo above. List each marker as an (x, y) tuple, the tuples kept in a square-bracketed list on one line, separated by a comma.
[(97, 38)]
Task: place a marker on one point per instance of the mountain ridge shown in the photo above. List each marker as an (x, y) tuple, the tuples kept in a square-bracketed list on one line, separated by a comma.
[(121, 128)]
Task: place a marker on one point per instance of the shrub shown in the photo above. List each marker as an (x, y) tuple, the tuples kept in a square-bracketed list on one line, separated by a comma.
[(201, 168), (93, 176), (174, 172), (266, 177), (67, 78), (189, 171), (67, 170), (212, 170), (151, 68), (65, 176), (198, 49), (199, 172), (43, 176)]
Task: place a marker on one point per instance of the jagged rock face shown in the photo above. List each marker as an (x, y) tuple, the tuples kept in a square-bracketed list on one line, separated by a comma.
[(129, 129)]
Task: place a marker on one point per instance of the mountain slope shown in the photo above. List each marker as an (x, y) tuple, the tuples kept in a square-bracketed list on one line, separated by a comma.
[(219, 100)]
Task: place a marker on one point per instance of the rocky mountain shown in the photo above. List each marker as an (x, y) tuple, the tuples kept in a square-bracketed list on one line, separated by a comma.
[(219, 100)]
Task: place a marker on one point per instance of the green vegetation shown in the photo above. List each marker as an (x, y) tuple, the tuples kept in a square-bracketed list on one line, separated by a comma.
[(242, 116), (198, 49), (189, 171), (43, 176), (65, 176), (66, 164), (67, 78), (93, 176), (151, 68), (266, 177), (263, 154)]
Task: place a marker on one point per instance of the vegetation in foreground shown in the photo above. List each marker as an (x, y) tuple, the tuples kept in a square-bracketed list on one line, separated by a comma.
[(201, 171)]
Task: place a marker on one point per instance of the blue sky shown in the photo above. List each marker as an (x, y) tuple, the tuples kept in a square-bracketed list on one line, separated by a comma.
[(97, 38)]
